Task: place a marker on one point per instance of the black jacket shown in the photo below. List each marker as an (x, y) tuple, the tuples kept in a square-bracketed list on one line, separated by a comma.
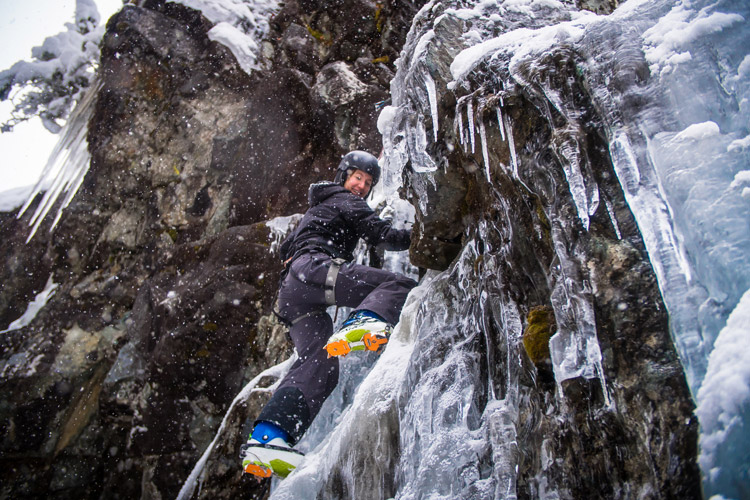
[(335, 221)]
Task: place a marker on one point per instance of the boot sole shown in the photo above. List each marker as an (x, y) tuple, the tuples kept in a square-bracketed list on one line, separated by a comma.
[(370, 342), (279, 462)]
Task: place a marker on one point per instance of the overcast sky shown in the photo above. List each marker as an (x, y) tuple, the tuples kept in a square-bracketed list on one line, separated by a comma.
[(25, 24)]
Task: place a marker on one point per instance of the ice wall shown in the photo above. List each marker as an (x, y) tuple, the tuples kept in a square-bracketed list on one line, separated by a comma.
[(670, 80)]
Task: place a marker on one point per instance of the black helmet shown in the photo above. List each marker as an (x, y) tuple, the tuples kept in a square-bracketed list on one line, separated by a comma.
[(357, 160)]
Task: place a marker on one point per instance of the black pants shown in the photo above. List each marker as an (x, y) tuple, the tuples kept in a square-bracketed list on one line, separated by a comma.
[(314, 376)]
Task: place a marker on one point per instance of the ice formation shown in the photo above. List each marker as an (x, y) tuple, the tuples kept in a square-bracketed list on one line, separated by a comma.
[(277, 372), (682, 161), (67, 165)]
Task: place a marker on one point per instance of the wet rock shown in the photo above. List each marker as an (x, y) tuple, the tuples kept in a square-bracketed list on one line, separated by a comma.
[(339, 96), (300, 47)]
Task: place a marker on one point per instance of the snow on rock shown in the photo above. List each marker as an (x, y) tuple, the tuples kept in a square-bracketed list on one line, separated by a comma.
[(244, 48), (239, 25), (34, 306)]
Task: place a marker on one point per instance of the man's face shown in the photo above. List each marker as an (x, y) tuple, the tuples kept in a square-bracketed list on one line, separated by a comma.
[(359, 183)]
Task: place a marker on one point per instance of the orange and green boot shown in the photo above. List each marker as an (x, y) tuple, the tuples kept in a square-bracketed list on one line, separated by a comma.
[(363, 330)]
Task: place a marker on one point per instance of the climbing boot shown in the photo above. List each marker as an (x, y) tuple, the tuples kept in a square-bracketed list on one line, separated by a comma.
[(363, 330), (266, 459)]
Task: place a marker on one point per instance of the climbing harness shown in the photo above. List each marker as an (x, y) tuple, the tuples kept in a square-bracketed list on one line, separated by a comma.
[(330, 286), (329, 292)]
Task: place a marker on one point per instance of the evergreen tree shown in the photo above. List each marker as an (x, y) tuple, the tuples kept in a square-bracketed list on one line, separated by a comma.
[(61, 68)]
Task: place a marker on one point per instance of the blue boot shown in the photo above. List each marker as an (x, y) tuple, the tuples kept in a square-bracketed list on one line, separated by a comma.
[(268, 452)]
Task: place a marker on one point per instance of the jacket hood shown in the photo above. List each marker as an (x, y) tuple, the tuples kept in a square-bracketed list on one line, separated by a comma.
[(320, 191)]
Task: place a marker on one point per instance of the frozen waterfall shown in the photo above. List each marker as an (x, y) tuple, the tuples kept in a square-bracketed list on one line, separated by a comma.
[(682, 159)]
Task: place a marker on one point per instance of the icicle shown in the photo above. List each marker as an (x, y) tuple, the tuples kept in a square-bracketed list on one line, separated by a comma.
[(512, 147), (459, 117), (67, 165), (594, 200), (485, 153), (568, 153), (470, 117), (432, 96), (500, 122), (611, 212), (417, 144)]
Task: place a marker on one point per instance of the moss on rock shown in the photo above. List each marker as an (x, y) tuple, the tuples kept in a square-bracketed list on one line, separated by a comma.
[(540, 326)]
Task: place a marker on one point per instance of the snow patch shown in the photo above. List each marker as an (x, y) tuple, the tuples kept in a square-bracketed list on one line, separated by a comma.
[(34, 306), (724, 398), (698, 132), (244, 47), (674, 32), (523, 43), (240, 25)]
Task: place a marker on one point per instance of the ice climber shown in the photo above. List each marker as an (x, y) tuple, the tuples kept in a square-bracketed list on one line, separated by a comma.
[(318, 272)]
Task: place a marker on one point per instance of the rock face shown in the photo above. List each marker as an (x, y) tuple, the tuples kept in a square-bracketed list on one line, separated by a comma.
[(167, 272), (164, 262)]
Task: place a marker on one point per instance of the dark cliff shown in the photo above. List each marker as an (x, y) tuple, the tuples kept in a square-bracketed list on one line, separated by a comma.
[(115, 389)]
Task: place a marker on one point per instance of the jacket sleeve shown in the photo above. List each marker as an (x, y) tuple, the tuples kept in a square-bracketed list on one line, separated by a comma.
[(375, 230)]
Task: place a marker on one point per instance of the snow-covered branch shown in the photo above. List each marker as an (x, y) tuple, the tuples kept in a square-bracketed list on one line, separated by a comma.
[(51, 83)]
